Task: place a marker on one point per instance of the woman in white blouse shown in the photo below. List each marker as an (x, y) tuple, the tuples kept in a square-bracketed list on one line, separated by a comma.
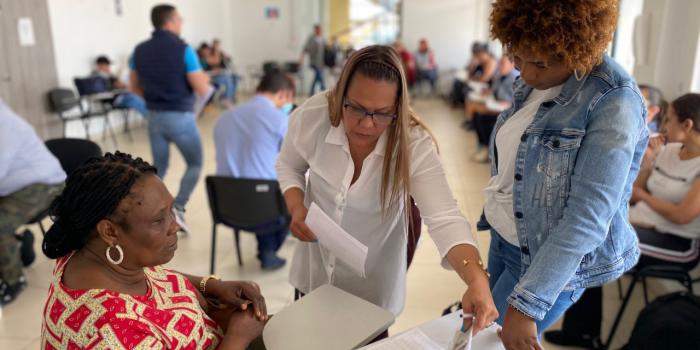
[(366, 152)]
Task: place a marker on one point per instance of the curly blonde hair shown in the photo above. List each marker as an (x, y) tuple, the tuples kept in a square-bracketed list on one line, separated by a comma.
[(576, 31)]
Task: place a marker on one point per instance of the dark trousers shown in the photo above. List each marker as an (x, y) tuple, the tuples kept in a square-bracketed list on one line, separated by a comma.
[(271, 237), (484, 124)]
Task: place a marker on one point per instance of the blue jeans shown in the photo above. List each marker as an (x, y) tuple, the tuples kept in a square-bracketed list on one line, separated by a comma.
[(228, 82), (318, 79), (271, 237), (132, 101), (505, 270), (180, 128)]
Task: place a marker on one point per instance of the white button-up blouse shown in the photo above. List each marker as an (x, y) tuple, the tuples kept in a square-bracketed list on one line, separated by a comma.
[(312, 144)]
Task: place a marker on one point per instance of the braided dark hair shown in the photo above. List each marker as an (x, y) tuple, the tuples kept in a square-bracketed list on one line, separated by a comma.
[(92, 192)]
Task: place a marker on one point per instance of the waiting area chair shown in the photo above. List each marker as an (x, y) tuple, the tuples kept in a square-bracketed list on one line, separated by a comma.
[(68, 106), (679, 273), (71, 153), (244, 205)]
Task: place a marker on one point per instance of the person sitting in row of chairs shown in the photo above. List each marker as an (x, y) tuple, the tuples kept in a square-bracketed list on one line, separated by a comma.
[(665, 213), (215, 62), (30, 177), (124, 98)]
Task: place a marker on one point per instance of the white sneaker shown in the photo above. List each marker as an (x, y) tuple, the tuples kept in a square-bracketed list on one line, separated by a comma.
[(180, 219)]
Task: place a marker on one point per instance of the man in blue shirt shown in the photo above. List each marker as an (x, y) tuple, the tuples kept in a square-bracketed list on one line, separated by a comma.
[(166, 72), (248, 140)]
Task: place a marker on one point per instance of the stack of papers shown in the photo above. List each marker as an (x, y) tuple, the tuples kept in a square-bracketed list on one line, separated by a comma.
[(409, 340), (340, 243)]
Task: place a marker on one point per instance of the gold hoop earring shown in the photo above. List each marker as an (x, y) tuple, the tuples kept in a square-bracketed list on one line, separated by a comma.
[(121, 255)]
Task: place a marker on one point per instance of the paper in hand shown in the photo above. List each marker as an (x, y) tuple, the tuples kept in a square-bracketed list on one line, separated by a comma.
[(340, 243)]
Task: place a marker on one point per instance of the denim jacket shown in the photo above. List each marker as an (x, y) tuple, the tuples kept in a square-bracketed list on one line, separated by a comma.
[(575, 167)]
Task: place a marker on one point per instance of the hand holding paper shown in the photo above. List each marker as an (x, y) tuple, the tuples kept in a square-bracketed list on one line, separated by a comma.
[(340, 243)]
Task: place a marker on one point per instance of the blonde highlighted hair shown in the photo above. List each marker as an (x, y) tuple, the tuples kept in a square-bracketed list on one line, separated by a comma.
[(382, 63)]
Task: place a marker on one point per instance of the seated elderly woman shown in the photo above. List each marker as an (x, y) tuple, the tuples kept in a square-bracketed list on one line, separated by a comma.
[(113, 229)]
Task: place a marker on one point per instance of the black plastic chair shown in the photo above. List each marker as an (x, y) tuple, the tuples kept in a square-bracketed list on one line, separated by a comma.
[(679, 273), (71, 153), (68, 106), (244, 204)]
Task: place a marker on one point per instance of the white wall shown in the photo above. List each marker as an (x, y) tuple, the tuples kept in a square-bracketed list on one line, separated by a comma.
[(673, 44), (84, 29), (255, 39), (449, 25)]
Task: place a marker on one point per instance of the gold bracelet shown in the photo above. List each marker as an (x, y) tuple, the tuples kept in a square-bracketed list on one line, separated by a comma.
[(466, 262), (203, 283)]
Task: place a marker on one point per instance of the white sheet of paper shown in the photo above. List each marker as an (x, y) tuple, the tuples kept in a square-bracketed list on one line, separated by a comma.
[(25, 29), (493, 105), (409, 340), (201, 101), (340, 243)]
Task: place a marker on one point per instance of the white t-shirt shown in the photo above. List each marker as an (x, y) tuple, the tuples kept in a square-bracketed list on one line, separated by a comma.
[(499, 192), (670, 180), (313, 144)]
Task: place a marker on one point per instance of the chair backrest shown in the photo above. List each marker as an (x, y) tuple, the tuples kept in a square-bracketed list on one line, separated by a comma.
[(91, 85), (72, 153), (244, 203), (62, 100), (270, 66), (292, 67)]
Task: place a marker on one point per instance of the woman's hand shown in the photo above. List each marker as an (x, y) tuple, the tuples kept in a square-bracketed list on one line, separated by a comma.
[(638, 194), (238, 295), (652, 150), (519, 331), (243, 328), (298, 225), (479, 302)]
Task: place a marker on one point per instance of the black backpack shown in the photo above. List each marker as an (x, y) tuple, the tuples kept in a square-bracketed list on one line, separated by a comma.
[(670, 322)]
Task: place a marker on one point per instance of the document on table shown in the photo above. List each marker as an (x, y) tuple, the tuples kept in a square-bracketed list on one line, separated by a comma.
[(340, 243), (409, 340)]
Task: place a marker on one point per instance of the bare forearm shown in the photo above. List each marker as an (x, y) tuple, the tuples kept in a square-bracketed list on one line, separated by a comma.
[(472, 272), (670, 211), (294, 197)]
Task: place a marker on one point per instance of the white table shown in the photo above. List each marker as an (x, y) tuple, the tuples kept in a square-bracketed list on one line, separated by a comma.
[(442, 330), (326, 318)]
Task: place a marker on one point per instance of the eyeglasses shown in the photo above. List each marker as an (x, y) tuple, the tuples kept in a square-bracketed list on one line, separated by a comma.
[(360, 113)]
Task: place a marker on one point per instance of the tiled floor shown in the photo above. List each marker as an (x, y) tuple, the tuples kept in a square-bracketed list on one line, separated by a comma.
[(430, 288)]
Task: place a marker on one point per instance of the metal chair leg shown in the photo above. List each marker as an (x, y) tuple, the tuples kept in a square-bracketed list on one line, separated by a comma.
[(41, 227), (238, 247), (646, 295), (213, 249), (620, 313), (619, 288)]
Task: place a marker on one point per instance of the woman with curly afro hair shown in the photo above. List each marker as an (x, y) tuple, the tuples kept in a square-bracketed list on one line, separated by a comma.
[(563, 159)]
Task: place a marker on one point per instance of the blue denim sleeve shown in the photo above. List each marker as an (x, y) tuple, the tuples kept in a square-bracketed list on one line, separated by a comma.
[(191, 60), (601, 173)]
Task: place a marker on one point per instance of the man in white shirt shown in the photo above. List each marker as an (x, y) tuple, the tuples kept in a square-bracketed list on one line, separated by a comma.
[(30, 178)]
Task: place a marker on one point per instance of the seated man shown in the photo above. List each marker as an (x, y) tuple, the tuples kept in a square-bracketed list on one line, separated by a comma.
[(30, 177), (114, 227), (484, 114), (124, 99), (248, 140)]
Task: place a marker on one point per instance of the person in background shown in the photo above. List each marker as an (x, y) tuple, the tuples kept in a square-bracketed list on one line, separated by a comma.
[(124, 99), (166, 72), (248, 139), (219, 67), (665, 213), (563, 161), (484, 113), (114, 229), (30, 178), (426, 66), (483, 65), (656, 107), (314, 47), (409, 62), (359, 153)]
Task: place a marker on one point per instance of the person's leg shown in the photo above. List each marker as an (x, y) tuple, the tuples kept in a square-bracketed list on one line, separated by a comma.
[(185, 134), (321, 78), (160, 145), (17, 209), (317, 79), (504, 267), (132, 101), (270, 239)]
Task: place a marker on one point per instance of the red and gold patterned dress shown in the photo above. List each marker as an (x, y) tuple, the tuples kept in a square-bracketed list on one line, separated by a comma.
[(167, 317)]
